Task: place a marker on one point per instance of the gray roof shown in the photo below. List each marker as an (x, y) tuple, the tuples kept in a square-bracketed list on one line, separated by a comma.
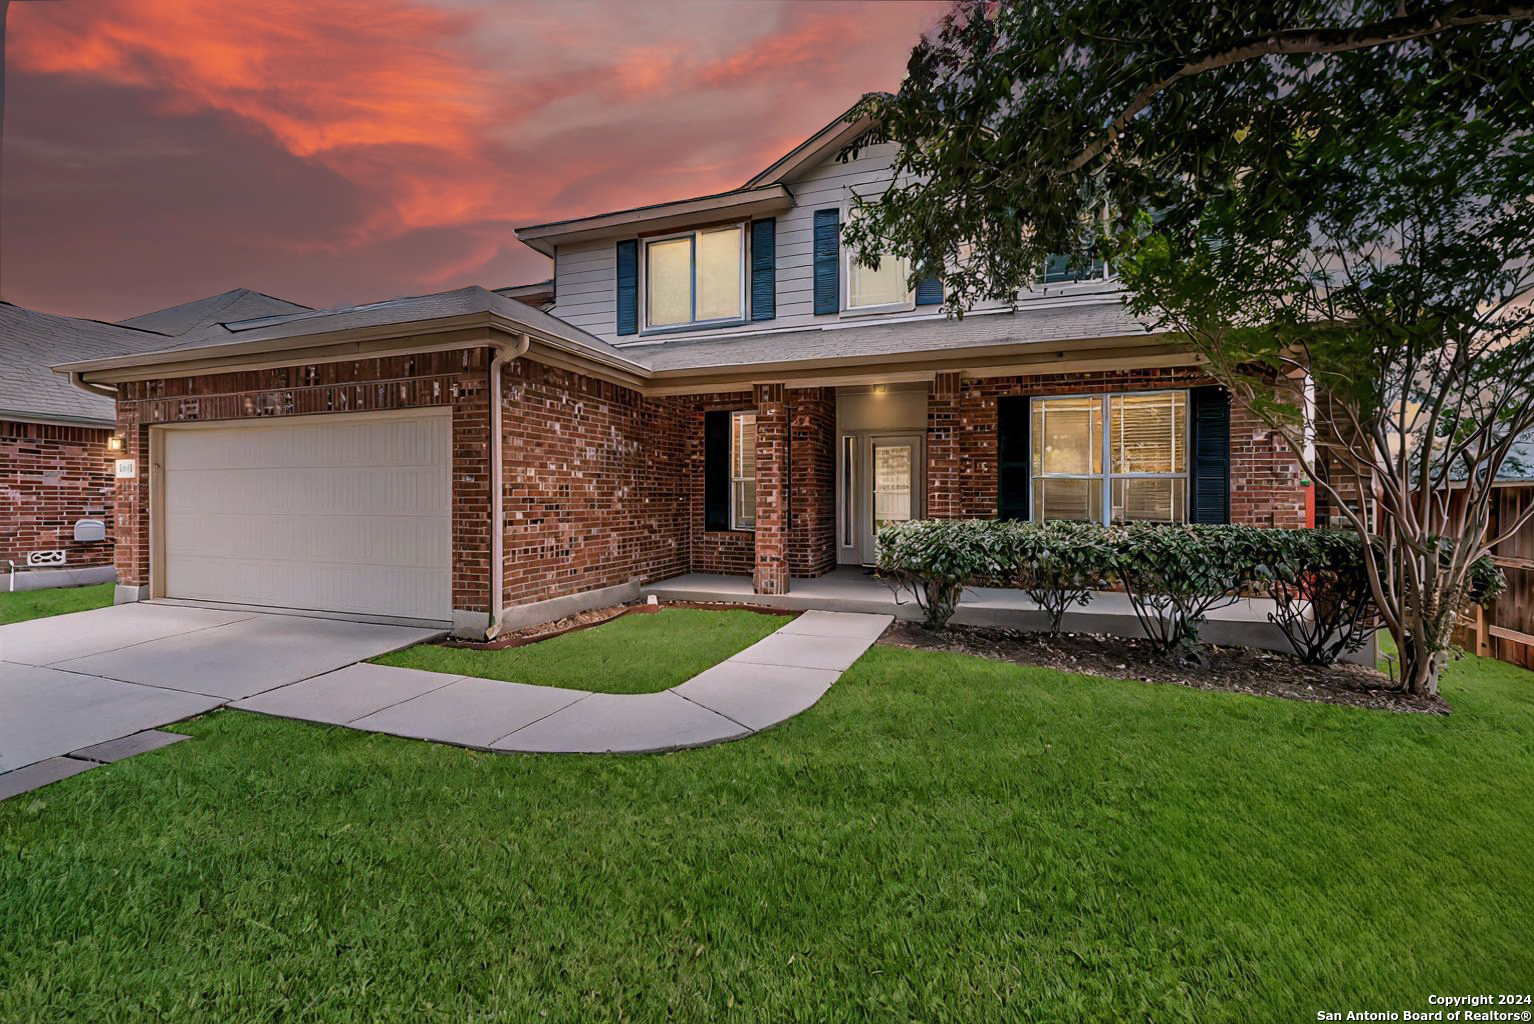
[(1088, 317), (204, 317), (407, 310), (1518, 467), (32, 342), (1098, 319)]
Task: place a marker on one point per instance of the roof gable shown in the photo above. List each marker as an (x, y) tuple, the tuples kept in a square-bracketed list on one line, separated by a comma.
[(31, 343), (203, 317)]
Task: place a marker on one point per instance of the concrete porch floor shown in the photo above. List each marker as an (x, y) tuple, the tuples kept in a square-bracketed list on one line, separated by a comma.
[(851, 589)]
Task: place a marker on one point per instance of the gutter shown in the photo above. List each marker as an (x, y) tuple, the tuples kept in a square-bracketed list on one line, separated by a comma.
[(505, 352), (77, 378)]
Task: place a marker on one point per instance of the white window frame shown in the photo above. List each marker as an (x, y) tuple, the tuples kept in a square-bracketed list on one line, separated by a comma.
[(735, 419), (845, 273), (1106, 477), (693, 233)]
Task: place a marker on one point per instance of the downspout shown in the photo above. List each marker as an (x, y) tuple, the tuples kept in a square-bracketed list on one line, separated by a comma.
[(505, 352)]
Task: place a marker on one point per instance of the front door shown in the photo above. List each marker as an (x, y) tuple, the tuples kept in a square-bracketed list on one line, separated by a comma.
[(883, 488)]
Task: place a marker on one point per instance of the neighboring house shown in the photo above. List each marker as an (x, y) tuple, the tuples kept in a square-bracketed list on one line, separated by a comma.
[(712, 386), (56, 459)]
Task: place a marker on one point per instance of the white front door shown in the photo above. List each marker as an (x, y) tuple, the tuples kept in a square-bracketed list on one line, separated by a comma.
[(881, 485)]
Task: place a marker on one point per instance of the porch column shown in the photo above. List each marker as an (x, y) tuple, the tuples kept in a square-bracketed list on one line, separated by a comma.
[(943, 469), (771, 568)]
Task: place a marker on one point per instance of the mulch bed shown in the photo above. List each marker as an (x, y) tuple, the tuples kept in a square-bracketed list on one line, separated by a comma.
[(1232, 669), (548, 630)]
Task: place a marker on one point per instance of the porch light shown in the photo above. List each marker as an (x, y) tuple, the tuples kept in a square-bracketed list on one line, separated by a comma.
[(114, 443)]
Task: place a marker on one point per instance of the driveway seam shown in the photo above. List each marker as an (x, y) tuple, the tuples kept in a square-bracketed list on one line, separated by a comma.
[(129, 647)]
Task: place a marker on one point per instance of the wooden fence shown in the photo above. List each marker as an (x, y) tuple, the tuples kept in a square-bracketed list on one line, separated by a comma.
[(1504, 629)]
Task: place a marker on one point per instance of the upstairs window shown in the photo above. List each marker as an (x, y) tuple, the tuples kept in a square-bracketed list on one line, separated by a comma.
[(1061, 269), (1115, 458), (868, 288), (695, 278)]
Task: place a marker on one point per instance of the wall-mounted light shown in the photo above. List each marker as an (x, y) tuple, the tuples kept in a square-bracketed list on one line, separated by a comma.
[(879, 389), (114, 443)]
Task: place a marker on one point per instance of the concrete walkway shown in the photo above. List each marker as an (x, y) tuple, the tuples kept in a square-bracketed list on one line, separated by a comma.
[(767, 683)]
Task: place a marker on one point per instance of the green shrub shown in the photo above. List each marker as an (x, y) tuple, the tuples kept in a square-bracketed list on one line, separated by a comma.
[(1176, 574), (1320, 590), (1058, 564), (936, 558)]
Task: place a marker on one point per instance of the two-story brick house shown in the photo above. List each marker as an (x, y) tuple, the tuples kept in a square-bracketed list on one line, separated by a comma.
[(712, 385)]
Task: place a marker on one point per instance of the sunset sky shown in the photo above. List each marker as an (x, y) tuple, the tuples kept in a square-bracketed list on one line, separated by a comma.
[(340, 151)]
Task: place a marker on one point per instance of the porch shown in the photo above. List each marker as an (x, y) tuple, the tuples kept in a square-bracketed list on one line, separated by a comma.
[(852, 589)]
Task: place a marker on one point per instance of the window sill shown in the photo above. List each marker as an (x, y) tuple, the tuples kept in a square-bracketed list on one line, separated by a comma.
[(707, 325), (888, 307)]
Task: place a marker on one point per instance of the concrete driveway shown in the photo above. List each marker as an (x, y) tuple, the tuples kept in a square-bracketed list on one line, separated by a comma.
[(72, 681)]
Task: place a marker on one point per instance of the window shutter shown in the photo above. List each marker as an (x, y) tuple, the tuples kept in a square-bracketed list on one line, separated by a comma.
[(929, 291), (1209, 474), (628, 286), (716, 471), (1013, 457), (764, 273), (828, 235)]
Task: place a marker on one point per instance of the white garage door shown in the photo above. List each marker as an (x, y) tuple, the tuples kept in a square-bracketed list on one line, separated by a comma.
[(334, 513)]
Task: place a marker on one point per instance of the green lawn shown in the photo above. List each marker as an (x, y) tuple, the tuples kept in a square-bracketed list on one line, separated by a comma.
[(631, 654), (37, 604), (941, 838)]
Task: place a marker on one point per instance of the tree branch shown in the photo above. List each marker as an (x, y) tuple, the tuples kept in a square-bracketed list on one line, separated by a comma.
[(1308, 40)]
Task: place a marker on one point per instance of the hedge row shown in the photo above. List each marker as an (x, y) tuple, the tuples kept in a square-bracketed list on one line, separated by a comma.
[(1174, 575)]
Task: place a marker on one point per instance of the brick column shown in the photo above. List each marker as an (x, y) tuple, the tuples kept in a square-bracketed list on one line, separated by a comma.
[(771, 567), (943, 470), (130, 502), (812, 470)]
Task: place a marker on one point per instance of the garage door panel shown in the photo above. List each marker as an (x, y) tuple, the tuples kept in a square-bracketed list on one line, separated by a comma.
[(338, 513), (301, 446), (383, 541), (324, 586), (333, 491)]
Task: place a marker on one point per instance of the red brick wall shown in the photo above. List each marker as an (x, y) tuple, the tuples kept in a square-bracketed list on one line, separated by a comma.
[(1265, 479), (944, 461), (596, 493), (812, 476), (456, 379), (50, 476)]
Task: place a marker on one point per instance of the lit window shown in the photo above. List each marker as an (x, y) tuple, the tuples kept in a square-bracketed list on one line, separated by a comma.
[(695, 278), (868, 287), (743, 471), (1118, 458)]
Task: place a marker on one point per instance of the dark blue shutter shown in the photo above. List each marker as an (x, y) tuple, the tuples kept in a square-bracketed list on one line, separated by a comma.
[(929, 291), (1209, 475), (764, 269), (828, 236), (628, 287), (1013, 457), (716, 471)]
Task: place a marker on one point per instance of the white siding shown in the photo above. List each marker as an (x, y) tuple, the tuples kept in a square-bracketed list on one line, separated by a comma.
[(585, 274)]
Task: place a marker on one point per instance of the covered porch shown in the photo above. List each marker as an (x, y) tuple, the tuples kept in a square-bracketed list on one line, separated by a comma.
[(851, 589)]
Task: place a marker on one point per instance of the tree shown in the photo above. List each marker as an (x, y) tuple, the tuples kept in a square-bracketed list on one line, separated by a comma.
[(1330, 202)]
